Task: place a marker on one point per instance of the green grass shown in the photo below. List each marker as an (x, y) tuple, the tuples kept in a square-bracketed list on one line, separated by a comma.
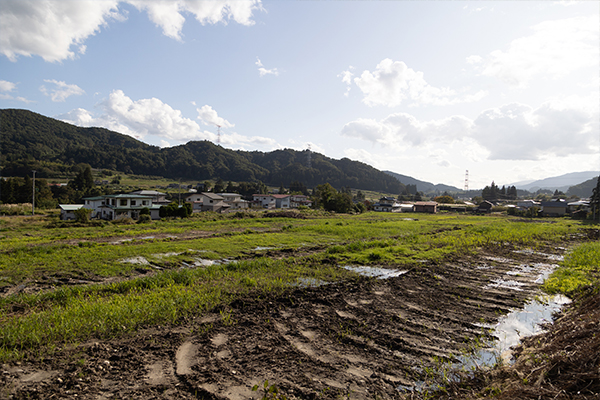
[(580, 267)]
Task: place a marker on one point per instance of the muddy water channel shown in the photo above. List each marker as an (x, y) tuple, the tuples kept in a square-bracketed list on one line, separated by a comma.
[(374, 337)]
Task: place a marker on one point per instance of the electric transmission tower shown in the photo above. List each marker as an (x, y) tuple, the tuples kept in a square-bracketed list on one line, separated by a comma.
[(466, 181)]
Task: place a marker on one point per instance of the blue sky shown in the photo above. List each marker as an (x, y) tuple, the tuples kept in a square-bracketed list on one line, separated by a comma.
[(507, 90)]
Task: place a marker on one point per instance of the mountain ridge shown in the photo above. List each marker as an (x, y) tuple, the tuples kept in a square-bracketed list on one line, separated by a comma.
[(32, 141)]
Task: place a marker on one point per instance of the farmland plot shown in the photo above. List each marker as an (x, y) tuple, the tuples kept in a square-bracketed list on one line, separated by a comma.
[(211, 310)]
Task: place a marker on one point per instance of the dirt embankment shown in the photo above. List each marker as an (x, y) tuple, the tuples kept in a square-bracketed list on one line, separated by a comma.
[(367, 339)]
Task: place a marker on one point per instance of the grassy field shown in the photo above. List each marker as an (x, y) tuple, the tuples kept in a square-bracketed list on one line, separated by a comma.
[(141, 275)]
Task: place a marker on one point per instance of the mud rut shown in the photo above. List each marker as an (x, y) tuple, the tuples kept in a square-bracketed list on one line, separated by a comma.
[(360, 340)]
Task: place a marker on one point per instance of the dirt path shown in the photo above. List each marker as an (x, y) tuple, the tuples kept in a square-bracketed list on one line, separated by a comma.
[(359, 340)]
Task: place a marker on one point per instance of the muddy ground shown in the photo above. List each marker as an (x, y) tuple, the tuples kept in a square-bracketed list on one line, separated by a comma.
[(366, 339)]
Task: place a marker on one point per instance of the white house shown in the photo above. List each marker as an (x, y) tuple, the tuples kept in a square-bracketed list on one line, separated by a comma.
[(297, 200), (67, 211), (235, 201), (264, 200), (113, 206), (207, 202), (282, 200)]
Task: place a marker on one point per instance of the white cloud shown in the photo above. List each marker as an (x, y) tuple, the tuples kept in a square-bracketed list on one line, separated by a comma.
[(263, 71), (61, 90), (152, 119), (392, 82), (555, 49), (208, 116), (347, 79), (50, 28), (6, 86), (57, 29), (520, 132), (168, 14), (510, 132)]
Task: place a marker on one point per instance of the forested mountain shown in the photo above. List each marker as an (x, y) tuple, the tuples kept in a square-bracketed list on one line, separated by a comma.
[(423, 186), (33, 141), (584, 189)]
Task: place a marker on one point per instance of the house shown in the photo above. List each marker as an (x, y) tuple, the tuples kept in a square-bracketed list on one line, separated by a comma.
[(264, 201), (485, 207), (581, 205), (157, 197), (426, 207), (554, 208), (93, 203), (387, 204), (67, 211), (207, 202), (527, 204), (282, 200), (297, 200), (113, 206), (235, 201)]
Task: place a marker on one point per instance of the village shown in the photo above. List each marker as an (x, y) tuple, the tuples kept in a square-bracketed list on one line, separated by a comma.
[(132, 205)]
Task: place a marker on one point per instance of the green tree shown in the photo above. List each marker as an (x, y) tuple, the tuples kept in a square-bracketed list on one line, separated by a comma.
[(82, 215), (445, 199), (595, 201)]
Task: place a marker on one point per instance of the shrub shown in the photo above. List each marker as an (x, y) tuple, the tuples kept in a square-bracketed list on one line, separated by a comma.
[(144, 218), (82, 215)]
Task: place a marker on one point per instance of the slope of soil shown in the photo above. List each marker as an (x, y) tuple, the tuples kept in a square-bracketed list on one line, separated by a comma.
[(370, 338)]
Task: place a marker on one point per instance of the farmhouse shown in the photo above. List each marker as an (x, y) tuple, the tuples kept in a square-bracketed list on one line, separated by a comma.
[(387, 204), (426, 207), (235, 201), (554, 208), (297, 200), (485, 207), (207, 202), (115, 206)]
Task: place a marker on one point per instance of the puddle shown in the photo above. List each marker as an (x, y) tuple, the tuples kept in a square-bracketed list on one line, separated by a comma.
[(136, 260), (379, 273), (509, 331), (309, 282), (513, 327), (553, 257)]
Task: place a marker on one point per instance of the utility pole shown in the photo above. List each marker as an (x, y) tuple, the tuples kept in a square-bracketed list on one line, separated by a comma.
[(33, 196)]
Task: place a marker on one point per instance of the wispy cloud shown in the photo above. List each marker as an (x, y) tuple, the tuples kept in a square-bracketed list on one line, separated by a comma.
[(555, 49), (61, 90), (263, 71)]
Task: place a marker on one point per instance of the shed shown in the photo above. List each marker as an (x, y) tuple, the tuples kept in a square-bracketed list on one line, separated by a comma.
[(67, 211), (426, 206)]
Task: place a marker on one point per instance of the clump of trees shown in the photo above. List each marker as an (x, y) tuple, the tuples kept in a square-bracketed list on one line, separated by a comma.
[(493, 193), (173, 210), (327, 197)]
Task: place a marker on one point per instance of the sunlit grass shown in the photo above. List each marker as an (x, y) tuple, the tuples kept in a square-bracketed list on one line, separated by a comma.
[(580, 267)]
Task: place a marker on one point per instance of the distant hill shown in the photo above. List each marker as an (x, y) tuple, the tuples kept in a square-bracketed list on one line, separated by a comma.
[(423, 186), (33, 141), (561, 183), (584, 189)]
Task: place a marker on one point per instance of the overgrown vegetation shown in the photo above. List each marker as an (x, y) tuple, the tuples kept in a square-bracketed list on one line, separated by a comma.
[(179, 281)]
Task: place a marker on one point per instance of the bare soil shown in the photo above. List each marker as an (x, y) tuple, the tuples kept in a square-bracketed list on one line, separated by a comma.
[(365, 339)]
